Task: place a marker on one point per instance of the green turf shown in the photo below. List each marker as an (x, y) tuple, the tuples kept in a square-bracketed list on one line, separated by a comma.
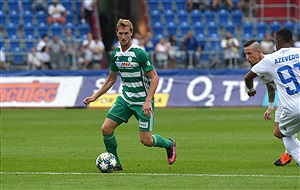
[(218, 148)]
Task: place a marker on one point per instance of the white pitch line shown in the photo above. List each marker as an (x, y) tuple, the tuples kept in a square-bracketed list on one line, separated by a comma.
[(147, 174)]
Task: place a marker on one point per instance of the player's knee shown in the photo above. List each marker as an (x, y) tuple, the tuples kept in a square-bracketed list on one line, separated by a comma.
[(277, 134), (106, 130)]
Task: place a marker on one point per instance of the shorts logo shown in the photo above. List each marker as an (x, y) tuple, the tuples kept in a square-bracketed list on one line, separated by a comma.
[(143, 124)]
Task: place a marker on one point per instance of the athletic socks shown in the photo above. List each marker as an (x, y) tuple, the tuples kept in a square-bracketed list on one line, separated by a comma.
[(159, 141), (292, 145), (111, 145)]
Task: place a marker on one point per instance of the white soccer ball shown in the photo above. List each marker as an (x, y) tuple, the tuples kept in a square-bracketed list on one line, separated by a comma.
[(106, 162)]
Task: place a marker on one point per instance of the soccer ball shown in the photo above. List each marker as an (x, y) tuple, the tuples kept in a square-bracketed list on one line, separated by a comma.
[(106, 162)]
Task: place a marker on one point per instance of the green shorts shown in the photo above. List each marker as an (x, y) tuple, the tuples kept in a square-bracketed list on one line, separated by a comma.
[(121, 111)]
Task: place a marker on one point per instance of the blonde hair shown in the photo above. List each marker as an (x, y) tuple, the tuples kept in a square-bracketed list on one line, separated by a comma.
[(124, 23)]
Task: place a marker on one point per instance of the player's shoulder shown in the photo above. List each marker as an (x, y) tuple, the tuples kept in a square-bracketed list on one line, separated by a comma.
[(135, 47), (117, 49), (138, 50)]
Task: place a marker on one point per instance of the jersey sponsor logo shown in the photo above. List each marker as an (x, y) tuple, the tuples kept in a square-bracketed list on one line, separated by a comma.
[(143, 125), (28, 92), (127, 64), (286, 58)]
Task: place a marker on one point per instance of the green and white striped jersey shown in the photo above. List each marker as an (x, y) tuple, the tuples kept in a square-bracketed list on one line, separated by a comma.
[(132, 66)]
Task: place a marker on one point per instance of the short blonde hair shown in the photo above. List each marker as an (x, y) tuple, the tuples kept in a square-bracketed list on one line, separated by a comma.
[(124, 23)]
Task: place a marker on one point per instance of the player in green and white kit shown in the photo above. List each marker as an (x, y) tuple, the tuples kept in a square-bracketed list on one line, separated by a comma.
[(139, 82)]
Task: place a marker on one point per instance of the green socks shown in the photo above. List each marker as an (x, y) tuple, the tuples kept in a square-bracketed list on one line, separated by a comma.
[(110, 143), (159, 141)]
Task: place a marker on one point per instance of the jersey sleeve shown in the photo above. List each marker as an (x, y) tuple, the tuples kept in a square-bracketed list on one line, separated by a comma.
[(112, 64), (145, 61), (261, 67)]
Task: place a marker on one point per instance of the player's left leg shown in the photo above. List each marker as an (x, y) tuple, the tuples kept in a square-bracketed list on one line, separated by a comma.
[(292, 145), (285, 158), (289, 126), (146, 137)]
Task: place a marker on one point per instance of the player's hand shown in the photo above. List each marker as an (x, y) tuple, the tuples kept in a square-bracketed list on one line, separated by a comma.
[(147, 109), (251, 93), (267, 114), (88, 100)]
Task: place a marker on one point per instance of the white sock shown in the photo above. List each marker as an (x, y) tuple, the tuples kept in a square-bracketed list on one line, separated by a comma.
[(294, 136), (292, 145)]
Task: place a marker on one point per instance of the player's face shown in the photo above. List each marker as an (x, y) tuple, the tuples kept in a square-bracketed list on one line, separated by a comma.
[(124, 35), (252, 56)]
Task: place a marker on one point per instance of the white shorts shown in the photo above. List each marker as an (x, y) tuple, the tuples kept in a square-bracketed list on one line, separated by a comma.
[(278, 113), (289, 123)]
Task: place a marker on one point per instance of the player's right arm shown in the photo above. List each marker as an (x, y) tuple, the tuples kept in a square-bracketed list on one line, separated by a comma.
[(249, 83), (271, 97), (109, 82)]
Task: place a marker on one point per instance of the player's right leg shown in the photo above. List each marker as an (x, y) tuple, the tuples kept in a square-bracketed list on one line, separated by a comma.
[(109, 138), (289, 126), (117, 114), (285, 158)]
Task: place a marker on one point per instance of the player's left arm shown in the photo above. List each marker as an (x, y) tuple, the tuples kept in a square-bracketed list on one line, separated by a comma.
[(249, 83), (271, 97), (147, 107)]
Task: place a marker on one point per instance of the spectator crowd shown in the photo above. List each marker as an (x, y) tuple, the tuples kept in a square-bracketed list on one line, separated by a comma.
[(66, 52)]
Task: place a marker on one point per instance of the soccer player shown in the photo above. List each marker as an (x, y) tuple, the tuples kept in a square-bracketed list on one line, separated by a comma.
[(283, 66), (139, 82), (253, 53)]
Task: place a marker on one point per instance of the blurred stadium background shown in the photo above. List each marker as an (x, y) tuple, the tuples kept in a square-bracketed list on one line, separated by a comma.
[(20, 28)]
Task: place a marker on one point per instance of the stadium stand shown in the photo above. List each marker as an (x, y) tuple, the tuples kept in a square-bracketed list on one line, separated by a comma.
[(154, 4), (2, 18), (155, 16), (248, 28), (209, 16), (56, 30), (290, 25), (275, 26), (158, 28), (14, 17), (172, 28), (223, 16), (180, 4), (41, 16), (230, 27), (184, 28), (183, 16), (169, 16), (199, 28), (11, 29), (19, 24), (196, 16), (17, 56), (29, 29), (212, 28), (167, 5), (261, 29), (42, 28), (27, 17)]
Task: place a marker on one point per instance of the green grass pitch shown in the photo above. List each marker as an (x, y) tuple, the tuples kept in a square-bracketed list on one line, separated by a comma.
[(218, 148)]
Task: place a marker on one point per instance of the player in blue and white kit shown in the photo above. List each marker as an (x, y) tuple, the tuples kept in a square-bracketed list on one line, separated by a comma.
[(253, 54), (283, 67)]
